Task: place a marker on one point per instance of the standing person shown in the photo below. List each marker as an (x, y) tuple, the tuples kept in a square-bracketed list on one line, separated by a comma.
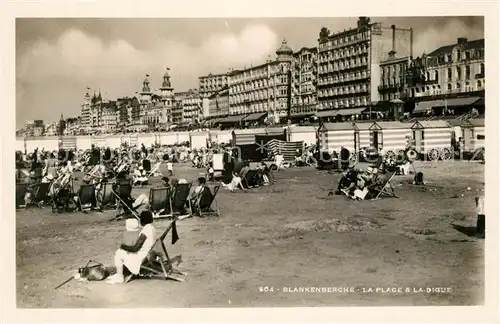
[(480, 224), (345, 156)]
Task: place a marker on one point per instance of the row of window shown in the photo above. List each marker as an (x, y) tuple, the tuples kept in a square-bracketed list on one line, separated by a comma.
[(306, 100), (261, 84), (260, 107), (460, 55), (394, 70), (261, 95), (343, 90), (346, 40), (344, 53), (343, 103), (352, 76), (343, 65)]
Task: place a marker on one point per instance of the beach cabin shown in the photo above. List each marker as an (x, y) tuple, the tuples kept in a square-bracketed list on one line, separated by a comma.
[(473, 135), (433, 138), (68, 143), (221, 136), (199, 140), (362, 135), (99, 140), (334, 136), (306, 134), (390, 136)]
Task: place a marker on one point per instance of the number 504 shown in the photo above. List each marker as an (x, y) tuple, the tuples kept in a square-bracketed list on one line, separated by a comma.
[(266, 289)]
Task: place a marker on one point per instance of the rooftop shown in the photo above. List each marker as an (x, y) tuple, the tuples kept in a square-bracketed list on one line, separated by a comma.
[(474, 44)]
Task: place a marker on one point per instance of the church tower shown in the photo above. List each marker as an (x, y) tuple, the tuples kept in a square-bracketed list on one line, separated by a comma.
[(167, 97)]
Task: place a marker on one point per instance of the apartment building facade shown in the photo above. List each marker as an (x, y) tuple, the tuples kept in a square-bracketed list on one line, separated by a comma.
[(211, 84), (218, 103), (349, 64), (303, 94), (264, 88), (393, 78), (449, 70)]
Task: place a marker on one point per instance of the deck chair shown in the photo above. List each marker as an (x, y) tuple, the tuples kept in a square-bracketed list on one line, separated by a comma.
[(86, 197), (146, 164), (63, 196), (40, 194), (155, 170), (160, 203), (382, 187), (21, 191), (162, 267), (179, 199), (105, 196), (206, 203), (123, 194)]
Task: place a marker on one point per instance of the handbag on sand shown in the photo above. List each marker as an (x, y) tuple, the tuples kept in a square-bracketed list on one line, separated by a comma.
[(96, 272)]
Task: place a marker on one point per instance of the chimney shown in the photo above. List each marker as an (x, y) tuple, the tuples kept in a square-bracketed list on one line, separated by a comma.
[(461, 40), (392, 53)]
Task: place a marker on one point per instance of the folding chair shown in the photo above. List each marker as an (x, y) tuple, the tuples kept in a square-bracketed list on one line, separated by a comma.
[(162, 267), (160, 203), (86, 197), (40, 194), (63, 196), (123, 194), (105, 196), (155, 171), (206, 203), (21, 191), (146, 164), (179, 199), (382, 187)]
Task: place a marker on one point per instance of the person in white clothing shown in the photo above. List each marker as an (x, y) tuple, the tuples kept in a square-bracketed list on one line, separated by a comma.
[(133, 256), (234, 184)]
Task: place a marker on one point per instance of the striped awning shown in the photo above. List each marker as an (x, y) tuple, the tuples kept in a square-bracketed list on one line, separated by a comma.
[(254, 116), (424, 106)]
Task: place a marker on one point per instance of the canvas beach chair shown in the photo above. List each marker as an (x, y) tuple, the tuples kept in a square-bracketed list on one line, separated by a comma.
[(155, 170), (21, 191), (382, 186), (180, 199), (105, 196), (62, 192), (40, 194), (162, 266), (86, 197), (123, 194), (206, 203), (160, 203)]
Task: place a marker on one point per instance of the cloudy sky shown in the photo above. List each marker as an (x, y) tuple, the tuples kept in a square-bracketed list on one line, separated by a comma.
[(56, 59)]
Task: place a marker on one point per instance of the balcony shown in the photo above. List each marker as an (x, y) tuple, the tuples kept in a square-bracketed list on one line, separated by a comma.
[(479, 76), (390, 86)]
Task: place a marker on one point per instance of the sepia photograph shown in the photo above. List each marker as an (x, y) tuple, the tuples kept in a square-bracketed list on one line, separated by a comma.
[(239, 162)]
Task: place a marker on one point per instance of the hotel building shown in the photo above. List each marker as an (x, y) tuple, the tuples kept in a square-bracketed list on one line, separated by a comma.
[(449, 70), (304, 79), (264, 88), (211, 83), (349, 66)]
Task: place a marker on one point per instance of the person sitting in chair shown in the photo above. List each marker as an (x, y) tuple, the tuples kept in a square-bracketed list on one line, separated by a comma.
[(132, 256)]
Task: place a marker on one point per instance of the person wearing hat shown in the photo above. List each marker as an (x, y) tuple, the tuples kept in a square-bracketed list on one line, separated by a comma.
[(132, 256)]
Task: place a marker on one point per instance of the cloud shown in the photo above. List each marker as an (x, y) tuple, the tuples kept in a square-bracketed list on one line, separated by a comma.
[(118, 68)]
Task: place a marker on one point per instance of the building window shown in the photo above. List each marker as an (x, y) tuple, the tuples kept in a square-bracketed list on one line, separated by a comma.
[(459, 73), (449, 86), (448, 58), (467, 72), (458, 55), (482, 68), (449, 74), (479, 84), (467, 55), (436, 76), (458, 86)]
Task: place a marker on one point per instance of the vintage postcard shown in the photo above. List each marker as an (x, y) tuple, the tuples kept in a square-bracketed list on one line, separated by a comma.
[(222, 158)]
